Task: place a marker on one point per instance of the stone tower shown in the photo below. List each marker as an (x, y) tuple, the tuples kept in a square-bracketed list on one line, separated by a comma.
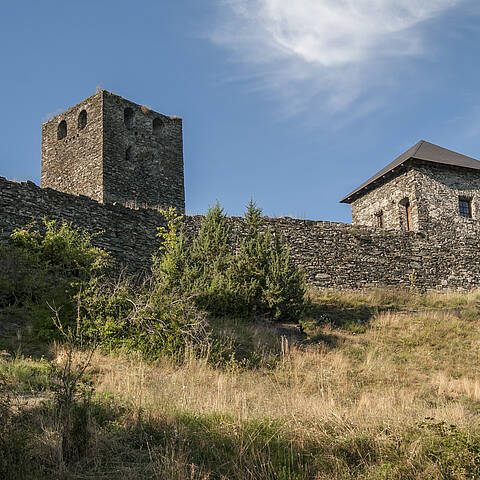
[(115, 151)]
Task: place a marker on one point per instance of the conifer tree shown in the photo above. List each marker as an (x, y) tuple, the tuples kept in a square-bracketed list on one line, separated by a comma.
[(256, 277)]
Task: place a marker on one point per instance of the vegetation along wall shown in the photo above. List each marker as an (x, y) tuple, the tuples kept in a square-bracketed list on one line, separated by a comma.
[(331, 254)]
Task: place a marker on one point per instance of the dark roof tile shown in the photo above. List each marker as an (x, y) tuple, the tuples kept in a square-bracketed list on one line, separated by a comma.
[(420, 151)]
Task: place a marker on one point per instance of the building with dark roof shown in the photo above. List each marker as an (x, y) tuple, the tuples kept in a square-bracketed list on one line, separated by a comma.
[(427, 187)]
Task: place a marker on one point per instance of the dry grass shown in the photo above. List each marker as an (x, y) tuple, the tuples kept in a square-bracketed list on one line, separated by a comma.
[(395, 298), (374, 403), (402, 368), (379, 385)]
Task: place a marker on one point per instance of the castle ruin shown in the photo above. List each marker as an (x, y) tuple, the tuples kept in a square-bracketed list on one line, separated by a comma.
[(115, 151), (109, 165)]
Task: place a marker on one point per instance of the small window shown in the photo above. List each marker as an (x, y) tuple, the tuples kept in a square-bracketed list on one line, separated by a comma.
[(465, 207), (379, 219), (82, 120), (128, 117), (406, 214), (62, 130), (157, 126), (129, 154)]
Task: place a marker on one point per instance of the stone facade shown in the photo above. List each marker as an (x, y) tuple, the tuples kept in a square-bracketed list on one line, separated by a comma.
[(439, 188), (428, 188), (432, 192), (115, 151), (73, 164), (389, 201), (334, 255)]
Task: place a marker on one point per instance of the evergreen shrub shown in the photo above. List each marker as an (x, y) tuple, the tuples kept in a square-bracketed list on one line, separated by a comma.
[(231, 274)]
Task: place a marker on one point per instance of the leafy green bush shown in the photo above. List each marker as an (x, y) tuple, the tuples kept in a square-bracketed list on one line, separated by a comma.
[(118, 314), (46, 266), (61, 249), (227, 275)]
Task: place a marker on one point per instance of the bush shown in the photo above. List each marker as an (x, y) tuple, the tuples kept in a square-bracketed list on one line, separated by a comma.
[(227, 275), (47, 266), (61, 249), (121, 315)]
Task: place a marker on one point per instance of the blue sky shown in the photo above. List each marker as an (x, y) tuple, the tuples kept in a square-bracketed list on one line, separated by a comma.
[(293, 103)]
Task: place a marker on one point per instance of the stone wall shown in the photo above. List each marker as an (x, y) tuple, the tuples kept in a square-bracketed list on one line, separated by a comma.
[(130, 235), (143, 157), (439, 188), (331, 254)]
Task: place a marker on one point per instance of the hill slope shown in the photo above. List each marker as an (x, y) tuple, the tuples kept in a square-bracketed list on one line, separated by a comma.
[(381, 385)]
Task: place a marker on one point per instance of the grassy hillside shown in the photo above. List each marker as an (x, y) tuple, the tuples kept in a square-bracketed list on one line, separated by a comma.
[(374, 385)]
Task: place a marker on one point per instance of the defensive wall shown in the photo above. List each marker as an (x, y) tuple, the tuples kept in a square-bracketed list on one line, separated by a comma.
[(332, 254)]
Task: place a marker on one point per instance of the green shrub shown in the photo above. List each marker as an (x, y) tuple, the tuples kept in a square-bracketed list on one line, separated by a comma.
[(121, 315), (249, 275), (61, 249), (44, 267)]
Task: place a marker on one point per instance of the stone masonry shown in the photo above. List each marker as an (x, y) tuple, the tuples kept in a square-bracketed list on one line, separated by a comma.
[(333, 255), (439, 188), (108, 165), (426, 189), (115, 151), (390, 200)]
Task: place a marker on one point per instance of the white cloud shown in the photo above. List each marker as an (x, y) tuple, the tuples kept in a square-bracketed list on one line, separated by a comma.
[(327, 48)]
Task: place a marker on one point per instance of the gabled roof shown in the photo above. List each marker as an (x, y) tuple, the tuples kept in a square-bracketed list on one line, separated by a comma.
[(420, 151)]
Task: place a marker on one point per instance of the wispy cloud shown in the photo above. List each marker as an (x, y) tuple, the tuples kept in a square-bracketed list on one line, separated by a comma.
[(333, 50)]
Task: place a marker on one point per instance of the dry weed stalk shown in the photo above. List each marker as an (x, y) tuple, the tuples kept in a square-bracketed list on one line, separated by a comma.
[(72, 393)]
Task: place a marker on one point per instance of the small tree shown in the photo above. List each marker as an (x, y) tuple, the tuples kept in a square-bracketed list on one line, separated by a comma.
[(271, 283), (284, 293), (257, 277)]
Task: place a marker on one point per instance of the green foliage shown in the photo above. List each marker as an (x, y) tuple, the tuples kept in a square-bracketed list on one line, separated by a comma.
[(45, 267), (61, 249), (171, 265), (147, 319), (48, 262), (26, 375), (226, 275), (456, 452)]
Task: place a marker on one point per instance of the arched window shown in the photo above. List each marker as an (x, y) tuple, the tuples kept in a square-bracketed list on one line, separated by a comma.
[(128, 117), (157, 126), (62, 130), (129, 154), (82, 120)]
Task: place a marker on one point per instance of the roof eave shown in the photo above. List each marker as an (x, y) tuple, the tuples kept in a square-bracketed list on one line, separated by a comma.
[(372, 185)]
